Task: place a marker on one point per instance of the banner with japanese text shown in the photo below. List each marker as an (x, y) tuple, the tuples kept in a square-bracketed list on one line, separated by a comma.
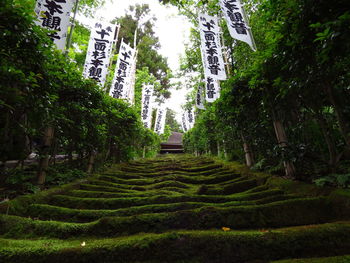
[(200, 99), (237, 22), (210, 46), (123, 72), (160, 120), (99, 51), (54, 15), (190, 118), (131, 92), (212, 89), (184, 122), (146, 108)]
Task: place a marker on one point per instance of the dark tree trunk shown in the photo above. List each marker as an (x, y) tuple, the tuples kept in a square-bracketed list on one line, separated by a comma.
[(283, 143), (343, 123), (329, 141), (44, 155), (249, 158), (91, 161)]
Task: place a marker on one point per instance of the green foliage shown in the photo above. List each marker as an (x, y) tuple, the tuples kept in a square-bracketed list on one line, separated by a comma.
[(299, 77), (40, 87), (147, 44), (340, 180)]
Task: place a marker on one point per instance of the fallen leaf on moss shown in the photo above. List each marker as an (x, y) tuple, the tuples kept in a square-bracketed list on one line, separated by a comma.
[(226, 228)]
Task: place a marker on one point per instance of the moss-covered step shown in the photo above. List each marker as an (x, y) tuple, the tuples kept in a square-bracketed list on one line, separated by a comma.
[(215, 246), (49, 212), (276, 214), (336, 259), (114, 203), (220, 177)]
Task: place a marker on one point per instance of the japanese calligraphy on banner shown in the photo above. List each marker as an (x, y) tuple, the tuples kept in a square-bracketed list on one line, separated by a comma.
[(212, 89), (146, 109), (160, 120), (99, 51), (211, 48), (122, 76), (184, 122), (131, 93), (237, 22), (54, 15), (190, 118), (200, 99)]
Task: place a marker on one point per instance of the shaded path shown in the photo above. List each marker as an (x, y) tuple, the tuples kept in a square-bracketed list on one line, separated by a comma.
[(173, 209)]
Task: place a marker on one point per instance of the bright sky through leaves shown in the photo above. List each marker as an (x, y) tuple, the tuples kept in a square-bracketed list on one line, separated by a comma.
[(171, 29)]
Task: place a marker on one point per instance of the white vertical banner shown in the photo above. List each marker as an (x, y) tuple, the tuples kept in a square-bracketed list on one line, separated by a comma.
[(146, 107), (160, 120), (54, 15), (122, 75), (210, 46), (190, 118), (131, 92), (237, 22), (212, 89), (99, 52), (200, 98), (184, 122)]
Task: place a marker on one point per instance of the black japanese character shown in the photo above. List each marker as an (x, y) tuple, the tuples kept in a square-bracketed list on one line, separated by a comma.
[(240, 28), (96, 62), (53, 7), (125, 55), (95, 73), (231, 5), (54, 35), (212, 51), (102, 33), (208, 25), (101, 46), (50, 21)]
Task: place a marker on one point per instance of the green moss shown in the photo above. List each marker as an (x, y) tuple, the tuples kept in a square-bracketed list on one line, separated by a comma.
[(338, 259), (19, 205), (184, 246), (137, 203), (114, 203)]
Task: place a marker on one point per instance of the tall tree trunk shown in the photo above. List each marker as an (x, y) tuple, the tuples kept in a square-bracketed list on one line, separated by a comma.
[(329, 141), (44, 155), (283, 143), (144, 152), (343, 123), (91, 161), (249, 159), (224, 149), (218, 148)]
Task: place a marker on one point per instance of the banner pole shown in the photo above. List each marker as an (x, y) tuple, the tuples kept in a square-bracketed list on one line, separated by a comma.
[(69, 40)]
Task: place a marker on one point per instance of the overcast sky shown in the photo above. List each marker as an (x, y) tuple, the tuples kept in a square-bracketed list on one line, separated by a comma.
[(172, 30)]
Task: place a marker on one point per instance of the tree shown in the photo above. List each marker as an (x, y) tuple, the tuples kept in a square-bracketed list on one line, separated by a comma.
[(139, 17), (171, 121)]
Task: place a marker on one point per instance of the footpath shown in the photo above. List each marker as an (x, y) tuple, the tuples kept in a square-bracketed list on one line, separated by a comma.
[(178, 209)]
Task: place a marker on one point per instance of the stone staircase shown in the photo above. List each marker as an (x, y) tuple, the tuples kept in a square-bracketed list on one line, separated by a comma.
[(177, 209)]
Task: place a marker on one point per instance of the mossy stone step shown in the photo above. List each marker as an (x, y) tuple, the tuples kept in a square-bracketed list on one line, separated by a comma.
[(276, 214), (174, 209), (49, 212), (336, 259), (213, 179), (114, 203), (215, 246)]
